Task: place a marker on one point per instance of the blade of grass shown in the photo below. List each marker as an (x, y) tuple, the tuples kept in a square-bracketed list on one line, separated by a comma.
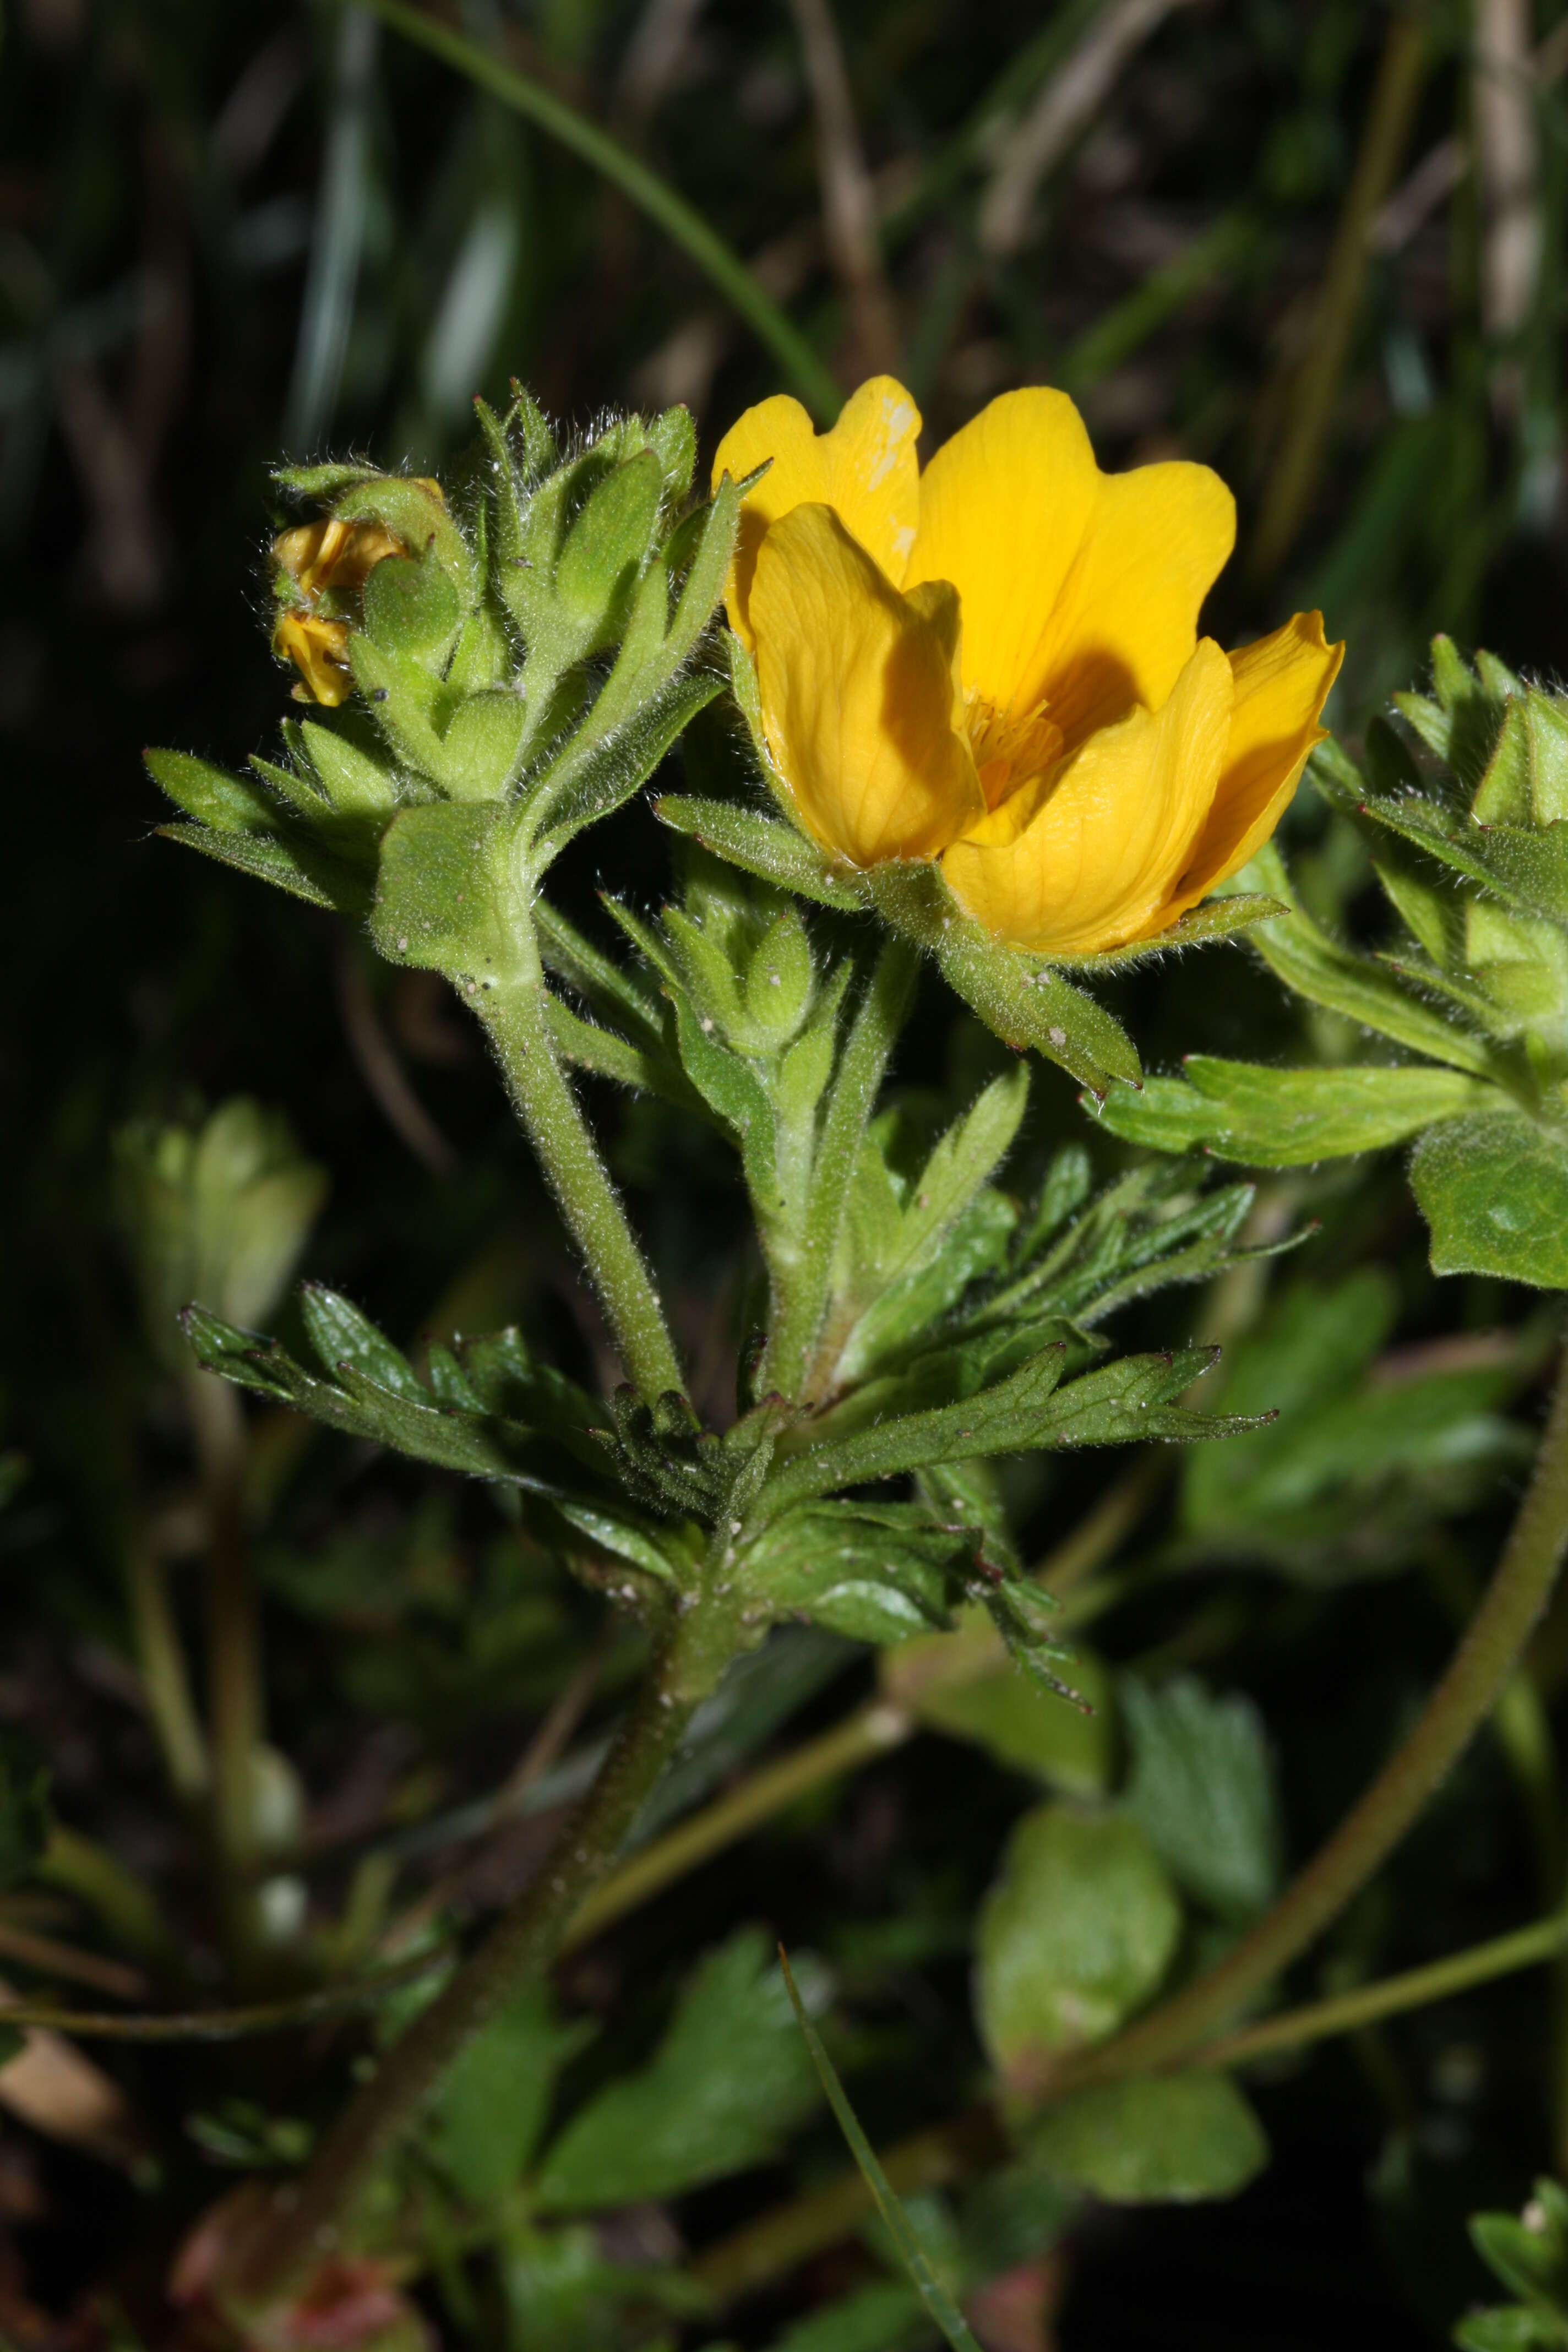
[(944, 2312), (651, 194)]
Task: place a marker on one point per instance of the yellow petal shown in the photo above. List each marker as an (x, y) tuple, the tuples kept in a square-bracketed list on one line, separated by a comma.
[(859, 695), (1080, 588), (1082, 861), (1281, 684), (332, 553), (865, 469), (318, 650)]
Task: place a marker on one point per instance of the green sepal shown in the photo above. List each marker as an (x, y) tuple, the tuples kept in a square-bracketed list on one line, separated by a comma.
[(322, 481), (419, 517), (1286, 1118), (1201, 926), (1021, 998), (762, 846), (411, 607)]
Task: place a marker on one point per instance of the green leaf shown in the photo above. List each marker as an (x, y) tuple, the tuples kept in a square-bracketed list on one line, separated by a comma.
[(938, 2303), (762, 846), (726, 2085), (1286, 1118), (1201, 1790), (601, 771), (448, 897), (1530, 2253), (958, 1166), (487, 1447), (1028, 1727), (1165, 2139), (493, 2103), (1356, 1466), (1494, 1190), (269, 861), (339, 1334), (210, 795), (882, 2317), (873, 1572), (1359, 987), (1077, 1933), (1007, 1419)]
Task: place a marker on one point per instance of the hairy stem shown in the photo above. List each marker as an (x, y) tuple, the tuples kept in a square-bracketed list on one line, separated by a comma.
[(875, 1728), (307, 2220), (1466, 1696), (517, 1020)]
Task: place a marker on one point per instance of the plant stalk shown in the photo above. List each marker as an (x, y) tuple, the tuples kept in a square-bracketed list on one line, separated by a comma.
[(307, 2220), (1469, 1691), (517, 1018), (1415, 1989), (235, 1698), (160, 1659)]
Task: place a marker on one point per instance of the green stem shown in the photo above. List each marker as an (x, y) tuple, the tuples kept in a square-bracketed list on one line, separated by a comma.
[(1461, 1703), (233, 1630), (307, 2220), (651, 194), (871, 1730), (517, 1017), (161, 1660), (1348, 2011), (226, 2024)]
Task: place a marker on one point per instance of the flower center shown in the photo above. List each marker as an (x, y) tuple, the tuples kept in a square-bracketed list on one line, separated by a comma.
[(1010, 748)]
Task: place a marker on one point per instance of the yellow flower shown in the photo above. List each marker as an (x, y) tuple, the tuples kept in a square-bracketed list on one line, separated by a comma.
[(332, 554), (996, 663)]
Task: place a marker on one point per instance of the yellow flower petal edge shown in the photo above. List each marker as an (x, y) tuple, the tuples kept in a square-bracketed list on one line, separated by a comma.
[(865, 469), (1087, 859), (1080, 590), (1282, 685), (859, 695)]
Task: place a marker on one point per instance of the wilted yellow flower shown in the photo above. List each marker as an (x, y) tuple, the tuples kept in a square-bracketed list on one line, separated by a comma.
[(996, 663), (332, 553), (318, 650)]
